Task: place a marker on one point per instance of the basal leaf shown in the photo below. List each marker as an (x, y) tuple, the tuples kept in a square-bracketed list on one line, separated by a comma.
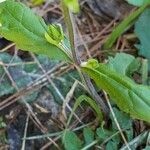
[(71, 141), (20, 25), (88, 136), (123, 63), (142, 31), (103, 133), (124, 121), (130, 97)]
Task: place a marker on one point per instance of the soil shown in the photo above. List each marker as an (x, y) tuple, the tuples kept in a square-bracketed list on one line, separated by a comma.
[(108, 9)]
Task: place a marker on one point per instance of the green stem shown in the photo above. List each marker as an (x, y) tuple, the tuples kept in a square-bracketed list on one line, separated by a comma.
[(70, 26), (72, 36)]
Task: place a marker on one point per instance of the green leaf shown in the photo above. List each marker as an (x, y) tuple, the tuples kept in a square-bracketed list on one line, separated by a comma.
[(138, 2), (55, 34), (71, 141), (124, 121), (73, 5), (111, 145), (124, 63), (103, 134), (130, 97), (124, 25), (143, 33), (88, 135), (91, 102), (20, 25)]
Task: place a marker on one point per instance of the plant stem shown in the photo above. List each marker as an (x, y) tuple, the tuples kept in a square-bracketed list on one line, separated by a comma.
[(69, 20)]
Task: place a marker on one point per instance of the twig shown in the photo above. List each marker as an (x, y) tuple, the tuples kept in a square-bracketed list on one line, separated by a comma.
[(25, 133), (68, 97), (116, 121)]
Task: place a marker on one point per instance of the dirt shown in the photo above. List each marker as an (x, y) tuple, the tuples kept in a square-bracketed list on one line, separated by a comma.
[(108, 9)]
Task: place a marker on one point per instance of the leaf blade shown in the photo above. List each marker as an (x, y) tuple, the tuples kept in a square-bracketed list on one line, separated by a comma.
[(129, 96), (20, 25)]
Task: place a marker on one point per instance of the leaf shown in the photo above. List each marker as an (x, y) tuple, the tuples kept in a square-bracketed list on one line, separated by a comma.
[(88, 135), (130, 97), (20, 25), (91, 102), (111, 145), (124, 25), (123, 63), (73, 5), (143, 33), (104, 134), (71, 141), (124, 121), (55, 34), (138, 2)]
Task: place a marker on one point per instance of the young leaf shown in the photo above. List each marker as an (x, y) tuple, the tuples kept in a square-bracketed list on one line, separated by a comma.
[(129, 96), (71, 141), (20, 25), (55, 34)]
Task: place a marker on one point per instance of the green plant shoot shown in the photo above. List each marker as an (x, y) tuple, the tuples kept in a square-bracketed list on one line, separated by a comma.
[(54, 34)]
